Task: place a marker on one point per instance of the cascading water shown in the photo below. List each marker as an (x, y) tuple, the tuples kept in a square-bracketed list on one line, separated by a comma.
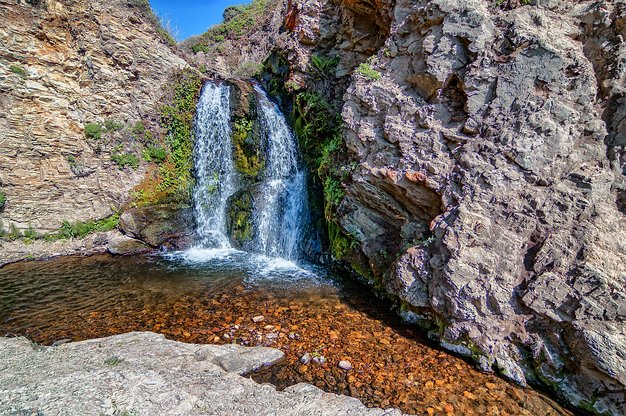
[(280, 200), (279, 223), (216, 178)]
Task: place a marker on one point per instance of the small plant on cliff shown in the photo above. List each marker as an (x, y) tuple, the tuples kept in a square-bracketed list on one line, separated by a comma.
[(324, 64), (113, 361), (19, 71), (112, 125), (154, 153), (366, 70), (3, 200), (93, 131), (122, 160)]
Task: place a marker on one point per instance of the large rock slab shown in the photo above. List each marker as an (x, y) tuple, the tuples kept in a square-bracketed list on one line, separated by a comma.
[(146, 374)]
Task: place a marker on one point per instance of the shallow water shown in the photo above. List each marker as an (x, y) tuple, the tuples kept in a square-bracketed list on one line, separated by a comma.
[(211, 296)]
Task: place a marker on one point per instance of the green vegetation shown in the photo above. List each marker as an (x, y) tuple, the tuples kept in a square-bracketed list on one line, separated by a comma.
[(113, 361), (93, 131), (112, 125), (248, 69), (240, 217), (172, 180), (319, 129), (324, 64), (68, 230), (122, 160), (366, 70), (19, 71), (3, 200), (247, 154), (238, 22), (82, 229), (154, 153)]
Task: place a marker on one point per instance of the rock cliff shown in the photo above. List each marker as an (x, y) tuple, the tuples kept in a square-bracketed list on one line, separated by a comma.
[(484, 183), (81, 84)]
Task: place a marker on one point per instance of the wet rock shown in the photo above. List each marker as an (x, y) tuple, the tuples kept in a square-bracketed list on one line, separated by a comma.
[(169, 226), (119, 244)]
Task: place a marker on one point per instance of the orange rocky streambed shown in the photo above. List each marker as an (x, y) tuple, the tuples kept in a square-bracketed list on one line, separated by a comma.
[(386, 363)]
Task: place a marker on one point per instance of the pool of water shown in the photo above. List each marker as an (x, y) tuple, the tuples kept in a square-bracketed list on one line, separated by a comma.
[(219, 296)]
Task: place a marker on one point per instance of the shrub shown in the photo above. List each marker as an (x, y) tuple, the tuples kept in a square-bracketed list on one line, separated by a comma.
[(368, 72), (18, 70), (248, 69), (153, 153), (138, 129), (3, 200), (112, 125), (324, 64), (81, 229), (122, 160), (93, 131)]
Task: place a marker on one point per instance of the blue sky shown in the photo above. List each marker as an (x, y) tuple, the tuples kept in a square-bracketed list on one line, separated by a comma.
[(191, 17)]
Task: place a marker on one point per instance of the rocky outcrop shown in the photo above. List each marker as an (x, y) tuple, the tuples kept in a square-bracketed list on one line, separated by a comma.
[(143, 373), (160, 226), (487, 184), (237, 47), (76, 77)]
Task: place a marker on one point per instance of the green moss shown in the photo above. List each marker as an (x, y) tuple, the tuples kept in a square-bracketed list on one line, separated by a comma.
[(93, 131), (19, 71), (247, 154), (340, 243), (240, 219)]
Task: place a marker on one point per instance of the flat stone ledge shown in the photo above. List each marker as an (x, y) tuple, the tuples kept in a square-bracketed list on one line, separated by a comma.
[(143, 373)]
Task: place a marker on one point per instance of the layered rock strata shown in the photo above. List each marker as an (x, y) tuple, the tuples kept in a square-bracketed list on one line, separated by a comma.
[(65, 65)]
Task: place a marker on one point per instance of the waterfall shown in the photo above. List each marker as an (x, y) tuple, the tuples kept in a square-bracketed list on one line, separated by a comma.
[(216, 178), (279, 203)]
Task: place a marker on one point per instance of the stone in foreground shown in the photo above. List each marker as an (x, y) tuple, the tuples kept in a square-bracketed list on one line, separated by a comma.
[(143, 373)]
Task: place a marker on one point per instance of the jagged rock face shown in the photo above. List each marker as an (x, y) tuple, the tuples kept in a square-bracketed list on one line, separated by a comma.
[(63, 65), (501, 132)]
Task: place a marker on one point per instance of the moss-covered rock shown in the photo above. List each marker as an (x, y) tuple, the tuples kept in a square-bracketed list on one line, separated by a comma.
[(246, 131), (240, 220), (169, 225)]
